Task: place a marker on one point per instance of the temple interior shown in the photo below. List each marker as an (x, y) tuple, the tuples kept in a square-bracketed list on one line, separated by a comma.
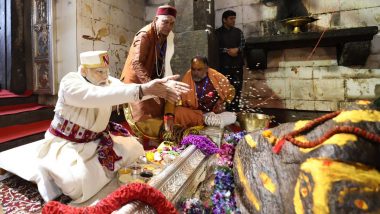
[(307, 133)]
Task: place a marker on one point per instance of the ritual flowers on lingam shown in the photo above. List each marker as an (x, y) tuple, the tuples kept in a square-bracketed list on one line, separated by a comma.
[(226, 155), (222, 197), (194, 206), (201, 142), (164, 154), (234, 138)]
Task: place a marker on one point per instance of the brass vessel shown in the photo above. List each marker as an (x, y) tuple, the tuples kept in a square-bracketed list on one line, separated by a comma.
[(298, 22), (253, 121)]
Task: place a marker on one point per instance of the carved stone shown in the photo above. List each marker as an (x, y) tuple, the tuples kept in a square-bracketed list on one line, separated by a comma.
[(180, 179), (42, 47)]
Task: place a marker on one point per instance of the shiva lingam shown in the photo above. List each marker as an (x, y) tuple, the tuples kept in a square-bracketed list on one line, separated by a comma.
[(298, 22)]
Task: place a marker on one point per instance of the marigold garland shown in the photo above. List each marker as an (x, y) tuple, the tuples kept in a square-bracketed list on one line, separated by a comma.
[(125, 194)]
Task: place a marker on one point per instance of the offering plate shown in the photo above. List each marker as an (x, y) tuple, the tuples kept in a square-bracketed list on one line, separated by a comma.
[(298, 22)]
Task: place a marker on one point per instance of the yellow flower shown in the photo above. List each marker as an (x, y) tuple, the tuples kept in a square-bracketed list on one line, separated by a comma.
[(267, 133), (272, 140), (363, 102), (149, 156)]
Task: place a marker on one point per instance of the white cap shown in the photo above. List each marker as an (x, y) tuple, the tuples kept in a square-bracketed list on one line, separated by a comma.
[(94, 59)]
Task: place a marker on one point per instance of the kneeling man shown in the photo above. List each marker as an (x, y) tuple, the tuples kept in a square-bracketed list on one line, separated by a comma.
[(82, 148)]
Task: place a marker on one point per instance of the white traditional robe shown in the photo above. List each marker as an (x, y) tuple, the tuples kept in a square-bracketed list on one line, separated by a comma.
[(74, 168)]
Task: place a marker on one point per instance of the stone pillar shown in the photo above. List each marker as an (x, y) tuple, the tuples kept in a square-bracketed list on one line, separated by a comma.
[(187, 45), (204, 16), (193, 33)]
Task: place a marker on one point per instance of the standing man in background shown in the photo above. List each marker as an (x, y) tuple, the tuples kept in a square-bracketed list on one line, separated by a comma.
[(145, 62), (231, 45)]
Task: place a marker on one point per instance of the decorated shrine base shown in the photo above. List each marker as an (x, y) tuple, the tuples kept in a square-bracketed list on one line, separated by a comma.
[(177, 181)]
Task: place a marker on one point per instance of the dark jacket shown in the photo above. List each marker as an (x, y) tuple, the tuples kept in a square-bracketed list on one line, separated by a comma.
[(230, 38)]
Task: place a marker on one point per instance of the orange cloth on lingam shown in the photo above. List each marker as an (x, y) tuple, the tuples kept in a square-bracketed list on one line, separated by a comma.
[(188, 115)]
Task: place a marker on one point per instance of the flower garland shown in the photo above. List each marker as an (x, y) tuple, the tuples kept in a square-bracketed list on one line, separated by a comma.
[(125, 194), (202, 143), (193, 206), (226, 154), (164, 153), (335, 130), (223, 197), (277, 148)]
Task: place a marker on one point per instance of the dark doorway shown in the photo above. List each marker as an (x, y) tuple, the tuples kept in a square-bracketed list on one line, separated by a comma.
[(3, 73), (14, 32)]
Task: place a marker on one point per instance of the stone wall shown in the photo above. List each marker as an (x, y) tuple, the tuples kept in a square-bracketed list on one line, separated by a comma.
[(293, 80), (86, 25), (66, 59), (189, 38), (109, 25)]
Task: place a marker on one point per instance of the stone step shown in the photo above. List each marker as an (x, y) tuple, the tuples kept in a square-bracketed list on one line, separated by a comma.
[(21, 141), (20, 134), (18, 112), (18, 100), (27, 117)]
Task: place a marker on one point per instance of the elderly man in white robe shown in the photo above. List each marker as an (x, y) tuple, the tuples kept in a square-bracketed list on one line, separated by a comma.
[(82, 150)]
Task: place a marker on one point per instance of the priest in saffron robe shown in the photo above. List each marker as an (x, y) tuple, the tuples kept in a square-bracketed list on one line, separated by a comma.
[(205, 103)]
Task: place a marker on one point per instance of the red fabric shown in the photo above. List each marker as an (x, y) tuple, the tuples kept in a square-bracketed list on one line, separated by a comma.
[(126, 126), (117, 199), (13, 109), (72, 133), (68, 130), (166, 10), (234, 128), (6, 94), (277, 148), (13, 132), (167, 117)]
